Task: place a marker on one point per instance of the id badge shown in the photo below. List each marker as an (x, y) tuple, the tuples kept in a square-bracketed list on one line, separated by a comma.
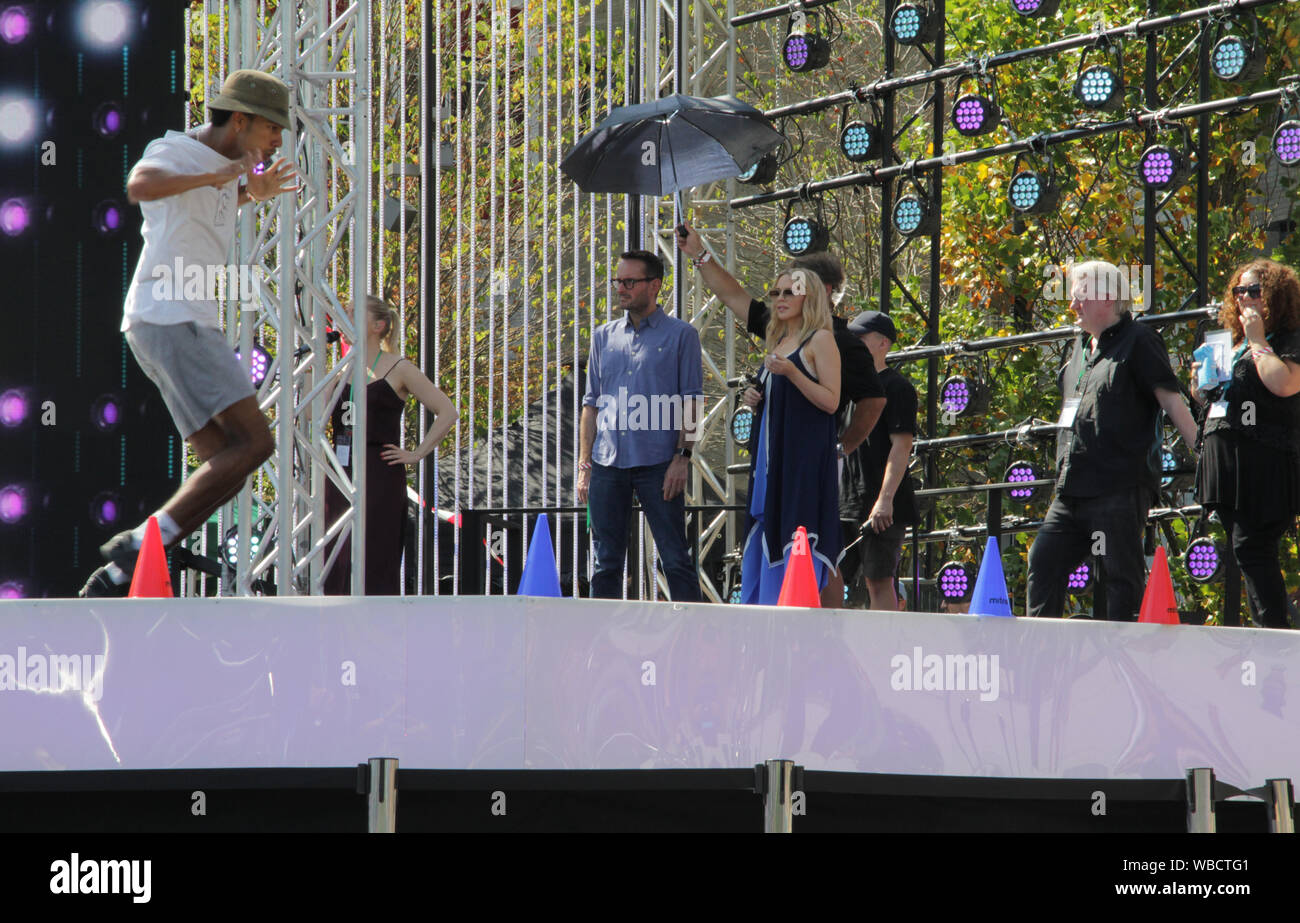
[(1068, 410), (1218, 410)]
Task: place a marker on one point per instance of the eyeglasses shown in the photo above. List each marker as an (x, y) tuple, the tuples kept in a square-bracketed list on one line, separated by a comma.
[(1250, 291), (626, 283), (776, 293)]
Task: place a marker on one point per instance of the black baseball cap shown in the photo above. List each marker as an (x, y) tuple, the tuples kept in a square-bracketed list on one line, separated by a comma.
[(873, 321)]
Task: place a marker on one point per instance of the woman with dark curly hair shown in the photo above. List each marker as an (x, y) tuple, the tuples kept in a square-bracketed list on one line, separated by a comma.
[(1249, 468)]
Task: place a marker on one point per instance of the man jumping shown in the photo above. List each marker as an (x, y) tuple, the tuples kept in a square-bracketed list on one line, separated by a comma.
[(189, 188)]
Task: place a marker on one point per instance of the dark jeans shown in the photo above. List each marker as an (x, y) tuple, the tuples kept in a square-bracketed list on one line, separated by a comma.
[(610, 504), (1254, 545), (1072, 527)]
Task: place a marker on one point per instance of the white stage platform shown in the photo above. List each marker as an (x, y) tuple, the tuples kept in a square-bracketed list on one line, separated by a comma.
[(515, 683)]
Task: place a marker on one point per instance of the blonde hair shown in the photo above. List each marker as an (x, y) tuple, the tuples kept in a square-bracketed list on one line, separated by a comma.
[(816, 307), (382, 310)]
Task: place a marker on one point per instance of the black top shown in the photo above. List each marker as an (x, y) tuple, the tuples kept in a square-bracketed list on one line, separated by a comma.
[(864, 470), (1253, 410), (858, 380), (1114, 444)]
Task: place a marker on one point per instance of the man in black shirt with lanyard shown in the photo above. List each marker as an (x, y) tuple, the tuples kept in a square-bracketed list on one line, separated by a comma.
[(859, 384), (1111, 467)]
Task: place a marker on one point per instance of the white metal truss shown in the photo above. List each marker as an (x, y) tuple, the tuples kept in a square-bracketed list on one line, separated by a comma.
[(322, 50)]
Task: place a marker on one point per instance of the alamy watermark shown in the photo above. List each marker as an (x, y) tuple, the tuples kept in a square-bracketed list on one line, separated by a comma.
[(640, 412), (53, 673), (75, 875), (1125, 283), (920, 671), (180, 281)]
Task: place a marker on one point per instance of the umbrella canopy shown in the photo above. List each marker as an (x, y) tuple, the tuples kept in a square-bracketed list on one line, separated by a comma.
[(673, 143)]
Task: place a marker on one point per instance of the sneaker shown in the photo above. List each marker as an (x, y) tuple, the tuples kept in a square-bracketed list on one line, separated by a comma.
[(100, 585), (122, 551)]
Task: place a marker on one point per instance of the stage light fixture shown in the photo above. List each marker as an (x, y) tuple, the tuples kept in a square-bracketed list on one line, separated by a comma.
[(1163, 167), (258, 365), (912, 215), (914, 24), (1286, 143), (108, 120), (963, 396), (15, 24), (15, 216), (1203, 560), (1082, 578), (805, 50), (742, 425), (108, 217), (956, 581), (762, 172), (975, 114), (1032, 193), (106, 509), (1173, 458), (106, 412), (13, 503), (18, 118), (802, 234), (13, 589), (14, 407), (1021, 472), (1035, 7), (1235, 57), (1100, 88), (105, 24), (861, 141), (230, 547)]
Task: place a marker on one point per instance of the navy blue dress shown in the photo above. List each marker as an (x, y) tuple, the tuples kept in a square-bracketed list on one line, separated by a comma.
[(793, 481)]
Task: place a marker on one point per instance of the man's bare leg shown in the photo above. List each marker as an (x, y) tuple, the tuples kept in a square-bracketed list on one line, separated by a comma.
[(884, 594), (833, 592), (232, 446)]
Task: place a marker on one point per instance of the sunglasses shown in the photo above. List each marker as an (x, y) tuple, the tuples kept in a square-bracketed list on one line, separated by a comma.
[(1250, 291), (778, 292)]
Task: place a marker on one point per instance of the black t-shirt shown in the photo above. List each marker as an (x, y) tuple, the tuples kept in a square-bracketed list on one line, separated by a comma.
[(858, 380), (1253, 410), (1114, 444), (864, 470)]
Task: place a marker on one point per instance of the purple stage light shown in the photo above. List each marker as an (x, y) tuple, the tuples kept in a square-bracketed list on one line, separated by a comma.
[(1286, 143), (1163, 167), (805, 51), (258, 366), (1021, 472), (13, 589), (796, 52), (106, 413), (15, 24), (1203, 560), (108, 217), (1080, 579), (955, 581), (13, 408), (13, 503), (108, 120), (106, 509), (1035, 7), (15, 216), (956, 395), (973, 114)]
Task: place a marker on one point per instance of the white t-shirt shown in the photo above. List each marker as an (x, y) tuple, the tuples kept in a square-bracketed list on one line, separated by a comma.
[(187, 240)]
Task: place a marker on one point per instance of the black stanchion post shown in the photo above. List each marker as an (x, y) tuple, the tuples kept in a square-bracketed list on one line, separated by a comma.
[(1200, 801)]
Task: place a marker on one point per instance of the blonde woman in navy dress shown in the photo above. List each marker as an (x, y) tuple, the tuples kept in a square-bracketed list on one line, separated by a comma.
[(794, 477)]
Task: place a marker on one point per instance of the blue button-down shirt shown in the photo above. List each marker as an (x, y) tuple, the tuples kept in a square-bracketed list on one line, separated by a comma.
[(640, 380)]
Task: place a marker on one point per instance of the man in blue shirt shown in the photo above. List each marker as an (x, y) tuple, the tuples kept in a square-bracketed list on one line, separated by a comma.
[(645, 377)]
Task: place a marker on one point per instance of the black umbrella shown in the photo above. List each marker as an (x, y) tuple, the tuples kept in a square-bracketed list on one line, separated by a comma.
[(670, 144)]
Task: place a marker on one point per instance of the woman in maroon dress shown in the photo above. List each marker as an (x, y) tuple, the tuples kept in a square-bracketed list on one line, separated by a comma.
[(394, 379)]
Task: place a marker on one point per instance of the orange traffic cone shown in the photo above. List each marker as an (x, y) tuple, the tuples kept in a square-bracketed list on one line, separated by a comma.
[(799, 586), (151, 580), (1158, 603)]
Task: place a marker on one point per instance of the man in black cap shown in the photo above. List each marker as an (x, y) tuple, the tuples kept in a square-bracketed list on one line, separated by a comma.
[(859, 387), (875, 518), (189, 186)]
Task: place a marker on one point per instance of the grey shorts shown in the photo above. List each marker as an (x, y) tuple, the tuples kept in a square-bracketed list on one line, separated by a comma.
[(194, 368), (874, 555)]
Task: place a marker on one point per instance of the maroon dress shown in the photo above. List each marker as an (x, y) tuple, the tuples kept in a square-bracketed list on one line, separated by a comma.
[(385, 496)]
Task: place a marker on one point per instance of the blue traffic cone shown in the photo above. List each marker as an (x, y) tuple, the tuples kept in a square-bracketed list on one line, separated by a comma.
[(990, 595), (541, 577)]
